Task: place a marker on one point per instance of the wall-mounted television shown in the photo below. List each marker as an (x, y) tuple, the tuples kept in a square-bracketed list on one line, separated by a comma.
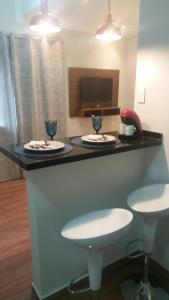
[(96, 91)]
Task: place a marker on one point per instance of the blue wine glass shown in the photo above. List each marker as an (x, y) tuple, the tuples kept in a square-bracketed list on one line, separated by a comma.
[(51, 128), (97, 123)]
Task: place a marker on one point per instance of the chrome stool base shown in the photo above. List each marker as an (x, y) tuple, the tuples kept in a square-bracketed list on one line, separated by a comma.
[(132, 290)]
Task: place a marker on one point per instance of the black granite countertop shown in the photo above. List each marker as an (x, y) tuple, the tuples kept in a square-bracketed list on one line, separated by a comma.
[(149, 139)]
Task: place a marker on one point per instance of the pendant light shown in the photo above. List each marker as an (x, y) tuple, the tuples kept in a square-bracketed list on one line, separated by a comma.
[(108, 31), (44, 22)]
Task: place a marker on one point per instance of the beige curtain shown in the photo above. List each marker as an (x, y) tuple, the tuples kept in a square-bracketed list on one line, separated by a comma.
[(8, 124), (33, 68), (37, 65)]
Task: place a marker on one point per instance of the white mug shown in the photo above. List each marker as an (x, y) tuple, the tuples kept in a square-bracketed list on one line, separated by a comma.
[(129, 130), (122, 127)]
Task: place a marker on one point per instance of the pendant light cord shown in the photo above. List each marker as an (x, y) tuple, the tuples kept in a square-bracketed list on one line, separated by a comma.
[(44, 7), (109, 6)]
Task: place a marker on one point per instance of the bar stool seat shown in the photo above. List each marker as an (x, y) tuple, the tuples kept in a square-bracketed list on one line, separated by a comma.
[(151, 203), (150, 200), (96, 231)]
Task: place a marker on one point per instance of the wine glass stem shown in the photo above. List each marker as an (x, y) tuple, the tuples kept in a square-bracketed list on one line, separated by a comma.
[(51, 138)]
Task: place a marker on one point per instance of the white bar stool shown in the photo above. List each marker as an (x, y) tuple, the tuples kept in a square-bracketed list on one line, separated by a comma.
[(152, 203), (96, 231)]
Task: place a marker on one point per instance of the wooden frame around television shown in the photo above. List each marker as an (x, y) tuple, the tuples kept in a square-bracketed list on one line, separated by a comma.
[(75, 76)]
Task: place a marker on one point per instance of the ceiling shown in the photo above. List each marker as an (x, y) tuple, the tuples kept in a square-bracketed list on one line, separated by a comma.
[(87, 15)]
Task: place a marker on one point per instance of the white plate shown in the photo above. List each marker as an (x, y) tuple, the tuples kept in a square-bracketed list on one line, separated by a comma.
[(55, 145), (98, 139)]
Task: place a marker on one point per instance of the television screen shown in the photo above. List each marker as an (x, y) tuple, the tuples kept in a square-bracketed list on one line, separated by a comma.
[(96, 90)]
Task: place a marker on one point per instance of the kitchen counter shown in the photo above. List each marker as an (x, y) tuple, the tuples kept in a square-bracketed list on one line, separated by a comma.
[(149, 139)]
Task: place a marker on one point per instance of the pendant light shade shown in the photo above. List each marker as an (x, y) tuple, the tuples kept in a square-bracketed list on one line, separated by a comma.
[(108, 31), (44, 22)]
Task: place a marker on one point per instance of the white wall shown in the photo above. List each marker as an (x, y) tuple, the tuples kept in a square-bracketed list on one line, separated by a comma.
[(153, 73), (8, 18), (130, 70), (83, 50)]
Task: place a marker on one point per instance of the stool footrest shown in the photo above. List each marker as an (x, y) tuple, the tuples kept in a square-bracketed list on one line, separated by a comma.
[(135, 253), (78, 291)]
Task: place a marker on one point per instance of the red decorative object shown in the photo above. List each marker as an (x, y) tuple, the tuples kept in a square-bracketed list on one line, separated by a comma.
[(129, 117)]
